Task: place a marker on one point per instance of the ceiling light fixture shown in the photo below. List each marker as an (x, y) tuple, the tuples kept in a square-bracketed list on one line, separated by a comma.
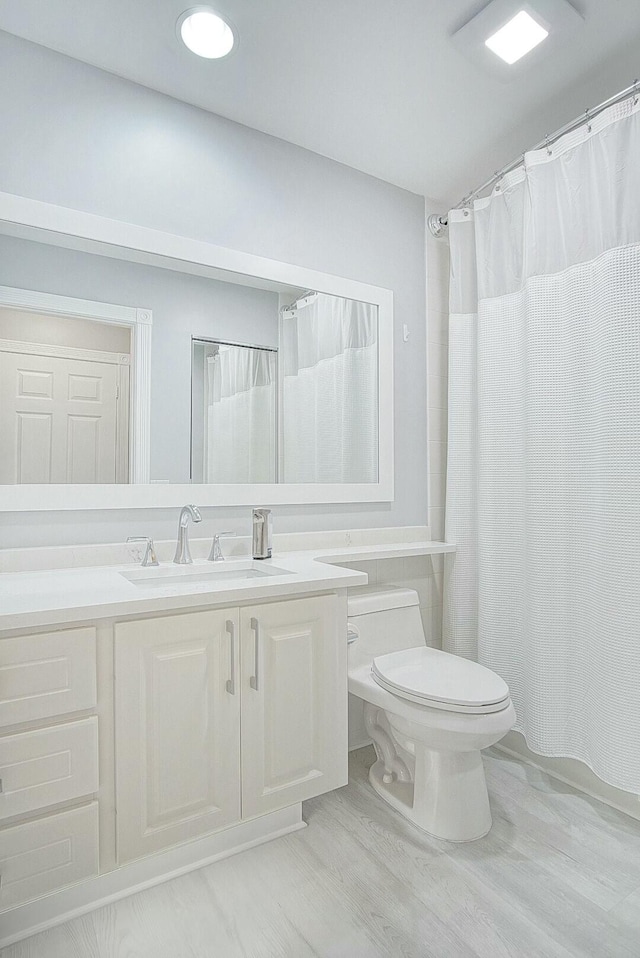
[(517, 37), (521, 35), (205, 33)]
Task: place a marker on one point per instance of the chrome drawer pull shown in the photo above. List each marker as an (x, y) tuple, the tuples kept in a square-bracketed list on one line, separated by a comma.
[(253, 681), (231, 683)]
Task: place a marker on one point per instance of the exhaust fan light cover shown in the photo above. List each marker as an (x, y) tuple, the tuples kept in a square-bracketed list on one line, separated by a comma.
[(508, 37), (517, 37)]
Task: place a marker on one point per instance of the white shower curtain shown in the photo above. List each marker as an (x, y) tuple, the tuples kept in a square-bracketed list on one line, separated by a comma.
[(240, 415), (543, 486), (330, 391)]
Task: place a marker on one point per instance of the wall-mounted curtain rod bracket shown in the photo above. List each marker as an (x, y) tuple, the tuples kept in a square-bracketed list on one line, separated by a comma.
[(437, 224), (300, 301)]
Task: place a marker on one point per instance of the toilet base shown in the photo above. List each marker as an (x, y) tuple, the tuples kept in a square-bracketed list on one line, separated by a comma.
[(447, 798), (440, 810)]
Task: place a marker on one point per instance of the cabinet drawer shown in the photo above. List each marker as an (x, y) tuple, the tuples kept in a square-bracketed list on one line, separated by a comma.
[(47, 766), (47, 674), (40, 857)]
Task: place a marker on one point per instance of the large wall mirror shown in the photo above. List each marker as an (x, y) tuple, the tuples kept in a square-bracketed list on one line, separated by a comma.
[(135, 365)]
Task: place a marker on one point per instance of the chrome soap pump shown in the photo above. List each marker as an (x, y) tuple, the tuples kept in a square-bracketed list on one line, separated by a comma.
[(261, 533)]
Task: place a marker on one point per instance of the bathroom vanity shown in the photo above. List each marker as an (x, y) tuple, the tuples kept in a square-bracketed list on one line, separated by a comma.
[(153, 720), (150, 725)]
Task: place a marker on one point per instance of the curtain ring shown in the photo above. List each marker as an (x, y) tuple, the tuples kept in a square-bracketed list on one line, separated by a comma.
[(635, 92), (546, 140), (588, 121)]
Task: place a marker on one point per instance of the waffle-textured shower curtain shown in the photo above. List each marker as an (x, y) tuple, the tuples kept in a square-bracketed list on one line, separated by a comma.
[(330, 391), (240, 415), (543, 486)]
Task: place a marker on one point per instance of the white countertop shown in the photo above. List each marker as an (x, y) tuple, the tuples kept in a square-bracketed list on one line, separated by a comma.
[(386, 550), (51, 597)]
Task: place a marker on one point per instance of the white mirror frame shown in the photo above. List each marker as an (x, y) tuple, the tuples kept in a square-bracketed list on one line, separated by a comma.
[(61, 226)]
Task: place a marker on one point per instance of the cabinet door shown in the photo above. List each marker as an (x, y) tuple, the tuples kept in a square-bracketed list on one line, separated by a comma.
[(294, 702), (177, 729)]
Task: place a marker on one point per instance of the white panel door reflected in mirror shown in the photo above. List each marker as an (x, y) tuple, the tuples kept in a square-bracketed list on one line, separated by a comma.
[(64, 399)]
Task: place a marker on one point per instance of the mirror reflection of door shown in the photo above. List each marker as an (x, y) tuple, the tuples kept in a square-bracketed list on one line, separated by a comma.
[(64, 409), (233, 413)]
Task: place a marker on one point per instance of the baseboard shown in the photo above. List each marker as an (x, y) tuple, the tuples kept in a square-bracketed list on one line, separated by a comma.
[(362, 744), (571, 772), (76, 900)]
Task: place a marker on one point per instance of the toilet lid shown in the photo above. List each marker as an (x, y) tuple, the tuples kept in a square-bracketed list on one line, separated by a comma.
[(431, 676)]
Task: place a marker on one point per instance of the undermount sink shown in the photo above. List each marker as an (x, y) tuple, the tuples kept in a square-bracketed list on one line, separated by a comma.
[(163, 576)]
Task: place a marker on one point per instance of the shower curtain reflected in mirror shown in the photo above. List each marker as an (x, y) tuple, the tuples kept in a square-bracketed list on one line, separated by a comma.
[(239, 414), (330, 390), (543, 484)]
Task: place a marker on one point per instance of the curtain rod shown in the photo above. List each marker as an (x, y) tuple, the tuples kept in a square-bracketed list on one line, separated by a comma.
[(438, 222), (306, 296)]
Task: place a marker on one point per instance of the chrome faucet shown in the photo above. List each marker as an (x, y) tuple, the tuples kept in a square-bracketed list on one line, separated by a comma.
[(216, 554), (150, 557), (183, 555)]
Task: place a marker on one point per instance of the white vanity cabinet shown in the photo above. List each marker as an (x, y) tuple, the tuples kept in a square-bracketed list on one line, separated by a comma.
[(225, 715), (177, 729), (294, 726), (134, 748), (48, 757)]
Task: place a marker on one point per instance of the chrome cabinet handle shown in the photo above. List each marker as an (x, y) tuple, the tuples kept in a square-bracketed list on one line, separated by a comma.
[(231, 683), (255, 627)]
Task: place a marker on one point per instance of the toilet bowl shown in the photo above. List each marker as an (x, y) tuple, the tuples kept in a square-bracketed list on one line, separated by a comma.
[(429, 715)]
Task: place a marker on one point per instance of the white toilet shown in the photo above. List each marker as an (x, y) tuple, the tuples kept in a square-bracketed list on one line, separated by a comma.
[(429, 714)]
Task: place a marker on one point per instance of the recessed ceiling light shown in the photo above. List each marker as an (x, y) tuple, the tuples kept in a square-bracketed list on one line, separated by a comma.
[(520, 35), (205, 33)]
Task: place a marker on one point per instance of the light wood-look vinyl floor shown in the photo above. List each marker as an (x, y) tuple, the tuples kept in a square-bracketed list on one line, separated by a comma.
[(557, 877)]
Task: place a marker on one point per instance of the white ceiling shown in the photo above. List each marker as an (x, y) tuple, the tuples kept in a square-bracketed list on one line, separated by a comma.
[(375, 84)]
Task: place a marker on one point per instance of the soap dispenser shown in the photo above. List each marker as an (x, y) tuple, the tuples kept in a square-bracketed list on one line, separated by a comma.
[(261, 533)]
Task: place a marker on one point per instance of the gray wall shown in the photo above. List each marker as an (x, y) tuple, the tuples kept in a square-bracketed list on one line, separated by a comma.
[(27, 327), (183, 306), (79, 137)]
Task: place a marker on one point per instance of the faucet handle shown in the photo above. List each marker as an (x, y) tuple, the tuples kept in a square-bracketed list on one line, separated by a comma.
[(216, 554), (150, 557)]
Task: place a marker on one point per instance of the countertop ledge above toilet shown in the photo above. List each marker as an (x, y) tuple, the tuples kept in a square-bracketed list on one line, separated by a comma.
[(45, 597), (388, 550)]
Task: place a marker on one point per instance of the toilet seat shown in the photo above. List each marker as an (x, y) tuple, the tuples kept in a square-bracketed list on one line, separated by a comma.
[(440, 680)]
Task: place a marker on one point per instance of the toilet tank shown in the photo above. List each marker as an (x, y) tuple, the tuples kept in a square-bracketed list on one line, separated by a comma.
[(382, 620)]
